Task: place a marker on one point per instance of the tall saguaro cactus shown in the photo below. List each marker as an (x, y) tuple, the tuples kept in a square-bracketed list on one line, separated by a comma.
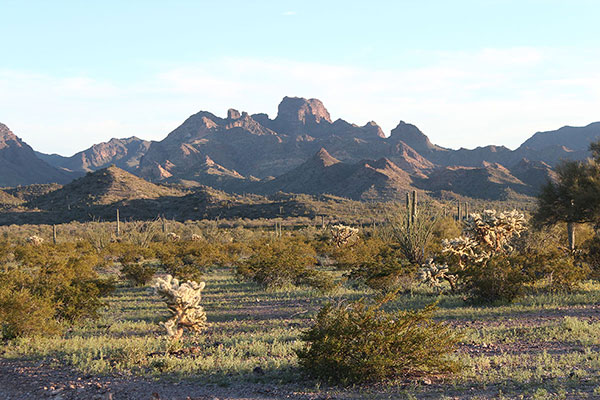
[(118, 224), (411, 208)]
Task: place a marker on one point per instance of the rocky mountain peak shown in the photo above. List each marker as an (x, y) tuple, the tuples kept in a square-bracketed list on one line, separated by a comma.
[(7, 138), (374, 129), (4, 130), (412, 136), (298, 110), (233, 114)]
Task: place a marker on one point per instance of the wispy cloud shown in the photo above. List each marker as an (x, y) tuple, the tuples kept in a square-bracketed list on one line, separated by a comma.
[(460, 99)]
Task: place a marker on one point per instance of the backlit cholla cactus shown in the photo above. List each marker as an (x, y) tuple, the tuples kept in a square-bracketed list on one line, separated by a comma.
[(183, 301), (173, 237), (433, 274), (495, 230), (485, 235), (343, 235), (35, 240), (195, 237), (466, 249)]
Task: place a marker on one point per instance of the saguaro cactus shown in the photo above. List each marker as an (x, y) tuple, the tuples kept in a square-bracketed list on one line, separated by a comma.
[(118, 224)]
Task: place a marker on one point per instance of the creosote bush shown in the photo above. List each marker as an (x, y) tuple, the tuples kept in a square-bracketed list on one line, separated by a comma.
[(45, 284), (139, 274), (134, 260), (189, 260), (282, 262), (375, 263), (356, 343)]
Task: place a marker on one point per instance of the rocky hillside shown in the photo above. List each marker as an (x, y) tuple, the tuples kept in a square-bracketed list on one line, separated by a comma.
[(322, 173), (20, 165), (102, 187), (123, 153)]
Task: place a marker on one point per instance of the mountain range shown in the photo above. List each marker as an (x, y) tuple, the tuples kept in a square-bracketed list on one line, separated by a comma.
[(302, 150)]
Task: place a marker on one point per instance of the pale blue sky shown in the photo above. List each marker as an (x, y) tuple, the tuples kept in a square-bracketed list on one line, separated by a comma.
[(467, 73)]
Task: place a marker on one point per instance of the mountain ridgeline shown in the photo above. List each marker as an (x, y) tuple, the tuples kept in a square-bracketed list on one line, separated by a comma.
[(302, 150)]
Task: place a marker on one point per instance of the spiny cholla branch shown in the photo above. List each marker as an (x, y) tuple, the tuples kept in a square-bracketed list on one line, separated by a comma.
[(495, 230), (433, 274), (485, 234), (183, 301), (343, 235)]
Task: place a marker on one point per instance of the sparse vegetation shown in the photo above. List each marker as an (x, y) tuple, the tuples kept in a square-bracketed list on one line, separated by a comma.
[(261, 306)]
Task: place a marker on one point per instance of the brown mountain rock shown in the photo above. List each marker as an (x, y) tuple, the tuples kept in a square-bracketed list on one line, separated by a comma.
[(124, 153), (19, 164)]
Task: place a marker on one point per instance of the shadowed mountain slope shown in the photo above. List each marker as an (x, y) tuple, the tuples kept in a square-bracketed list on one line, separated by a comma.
[(20, 166), (105, 186), (365, 180)]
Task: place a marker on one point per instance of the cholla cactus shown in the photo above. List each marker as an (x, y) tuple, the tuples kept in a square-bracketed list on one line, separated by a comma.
[(344, 235), (183, 301), (173, 237), (493, 230), (195, 237), (466, 249), (35, 240), (433, 274), (486, 234)]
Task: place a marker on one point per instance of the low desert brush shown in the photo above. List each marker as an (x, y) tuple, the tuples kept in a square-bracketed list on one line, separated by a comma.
[(357, 342)]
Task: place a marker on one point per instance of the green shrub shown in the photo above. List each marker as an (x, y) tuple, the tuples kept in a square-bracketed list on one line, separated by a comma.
[(105, 285), (545, 260), (24, 314), (355, 343), (375, 263), (499, 278), (282, 262), (46, 284), (189, 260), (591, 250), (139, 274)]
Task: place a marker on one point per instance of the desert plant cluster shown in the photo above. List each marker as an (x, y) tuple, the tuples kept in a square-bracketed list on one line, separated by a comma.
[(367, 303)]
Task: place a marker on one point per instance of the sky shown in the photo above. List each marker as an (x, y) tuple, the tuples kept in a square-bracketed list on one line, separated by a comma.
[(467, 73)]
